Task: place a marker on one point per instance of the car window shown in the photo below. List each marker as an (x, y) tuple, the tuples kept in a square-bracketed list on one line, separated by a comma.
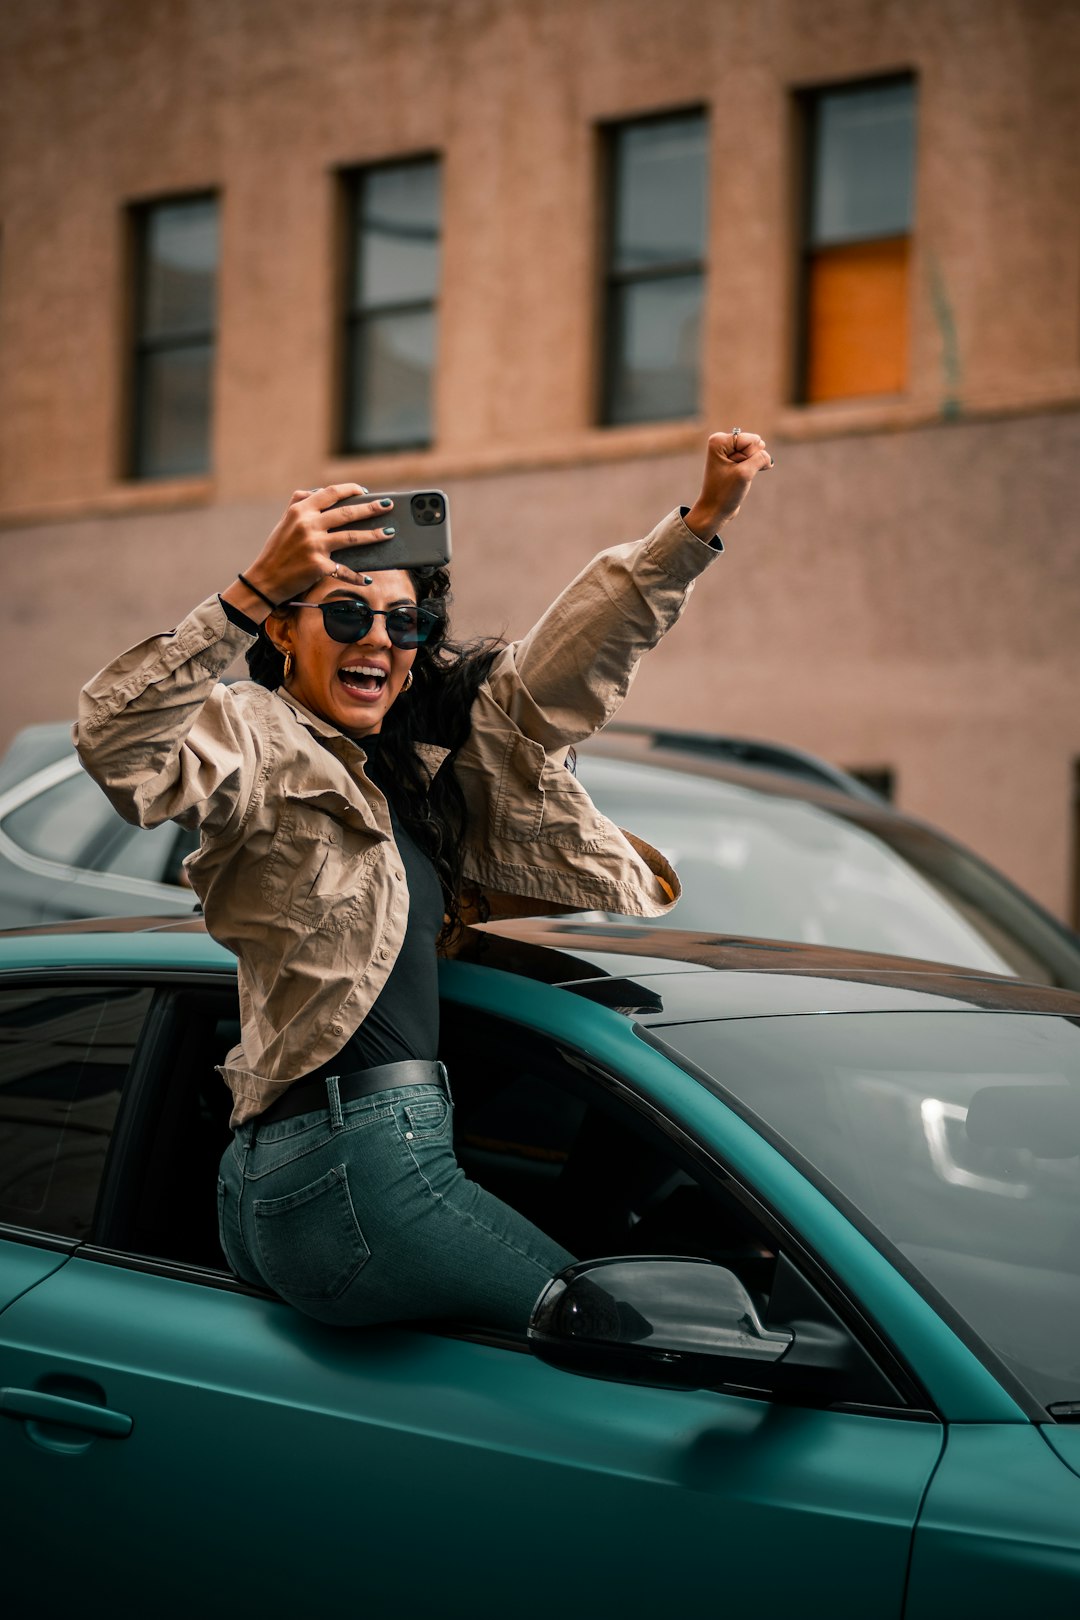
[(953, 1137), (783, 867), (64, 1056), (63, 822), (153, 853)]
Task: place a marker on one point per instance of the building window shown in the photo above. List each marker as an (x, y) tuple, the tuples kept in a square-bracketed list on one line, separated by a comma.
[(857, 249), (176, 261), (392, 289), (655, 268)]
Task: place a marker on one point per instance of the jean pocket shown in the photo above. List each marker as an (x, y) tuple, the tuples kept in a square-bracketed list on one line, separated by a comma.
[(310, 1241), (428, 1118)]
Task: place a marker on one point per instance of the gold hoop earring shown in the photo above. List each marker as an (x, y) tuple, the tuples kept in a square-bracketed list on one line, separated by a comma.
[(407, 682), (288, 667)]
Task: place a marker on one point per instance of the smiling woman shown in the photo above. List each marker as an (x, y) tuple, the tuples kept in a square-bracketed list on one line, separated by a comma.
[(372, 787), (353, 687)]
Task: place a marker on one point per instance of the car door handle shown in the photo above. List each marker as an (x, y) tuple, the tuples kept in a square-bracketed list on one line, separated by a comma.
[(34, 1403)]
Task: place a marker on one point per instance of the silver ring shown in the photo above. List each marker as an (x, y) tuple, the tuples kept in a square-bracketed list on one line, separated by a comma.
[(334, 571), (735, 439)]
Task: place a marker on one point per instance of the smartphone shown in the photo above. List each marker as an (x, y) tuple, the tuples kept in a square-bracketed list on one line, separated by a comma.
[(422, 520)]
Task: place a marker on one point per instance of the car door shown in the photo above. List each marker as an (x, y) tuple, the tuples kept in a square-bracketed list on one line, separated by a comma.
[(218, 1447)]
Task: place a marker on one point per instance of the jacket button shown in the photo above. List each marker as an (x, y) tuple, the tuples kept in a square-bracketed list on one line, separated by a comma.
[(337, 1029), (383, 954)]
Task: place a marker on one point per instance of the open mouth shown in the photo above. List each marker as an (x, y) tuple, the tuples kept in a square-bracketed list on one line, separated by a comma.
[(363, 680)]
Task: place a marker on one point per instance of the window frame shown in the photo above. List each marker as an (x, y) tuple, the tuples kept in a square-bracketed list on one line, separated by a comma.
[(354, 315), (142, 348), (806, 101), (612, 281)]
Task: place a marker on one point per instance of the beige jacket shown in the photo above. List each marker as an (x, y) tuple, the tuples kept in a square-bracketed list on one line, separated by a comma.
[(298, 872)]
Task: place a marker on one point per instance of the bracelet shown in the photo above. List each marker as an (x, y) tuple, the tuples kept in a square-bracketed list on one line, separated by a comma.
[(273, 606)]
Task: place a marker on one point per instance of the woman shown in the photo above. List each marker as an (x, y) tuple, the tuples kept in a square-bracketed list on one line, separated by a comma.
[(371, 789)]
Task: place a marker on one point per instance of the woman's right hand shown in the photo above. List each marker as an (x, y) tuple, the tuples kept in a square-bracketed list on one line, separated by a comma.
[(298, 552)]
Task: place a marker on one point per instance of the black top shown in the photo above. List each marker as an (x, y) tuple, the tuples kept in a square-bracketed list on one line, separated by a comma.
[(404, 1019)]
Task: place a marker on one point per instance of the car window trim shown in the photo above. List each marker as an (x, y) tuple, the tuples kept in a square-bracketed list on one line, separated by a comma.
[(11, 1233)]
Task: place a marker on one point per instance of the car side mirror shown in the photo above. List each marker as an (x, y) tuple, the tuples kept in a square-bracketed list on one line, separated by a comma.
[(653, 1319)]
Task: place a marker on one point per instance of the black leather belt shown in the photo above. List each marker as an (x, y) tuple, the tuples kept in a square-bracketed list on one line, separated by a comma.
[(310, 1096)]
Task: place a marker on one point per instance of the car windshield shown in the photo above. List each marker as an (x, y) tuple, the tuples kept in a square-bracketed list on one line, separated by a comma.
[(954, 1138), (784, 867)]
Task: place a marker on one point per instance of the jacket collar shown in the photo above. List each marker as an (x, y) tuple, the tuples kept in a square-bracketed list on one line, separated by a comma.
[(321, 728), (431, 754)]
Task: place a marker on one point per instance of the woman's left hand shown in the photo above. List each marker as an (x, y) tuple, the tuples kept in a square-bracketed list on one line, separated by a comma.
[(732, 461)]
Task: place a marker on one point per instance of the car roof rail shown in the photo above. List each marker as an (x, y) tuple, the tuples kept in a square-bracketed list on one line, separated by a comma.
[(750, 751)]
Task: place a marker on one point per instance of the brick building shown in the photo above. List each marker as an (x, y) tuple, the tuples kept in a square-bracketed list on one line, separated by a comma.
[(530, 250)]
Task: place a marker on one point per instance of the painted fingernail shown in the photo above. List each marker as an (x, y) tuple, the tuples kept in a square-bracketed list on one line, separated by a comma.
[(366, 579), (386, 503), (389, 532)]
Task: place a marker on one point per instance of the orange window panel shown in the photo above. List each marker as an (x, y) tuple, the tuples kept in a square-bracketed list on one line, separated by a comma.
[(857, 320)]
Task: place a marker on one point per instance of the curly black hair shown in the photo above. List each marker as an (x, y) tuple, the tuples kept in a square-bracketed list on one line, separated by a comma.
[(437, 709)]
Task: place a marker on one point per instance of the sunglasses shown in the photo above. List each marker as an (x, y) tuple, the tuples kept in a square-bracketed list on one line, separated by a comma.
[(351, 620)]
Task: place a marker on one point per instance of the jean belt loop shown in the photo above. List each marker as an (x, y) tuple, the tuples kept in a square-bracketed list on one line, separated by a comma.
[(446, 1080), (333, 1100)]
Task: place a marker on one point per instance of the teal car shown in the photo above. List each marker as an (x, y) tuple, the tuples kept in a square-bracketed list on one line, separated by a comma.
[(819, 1355)]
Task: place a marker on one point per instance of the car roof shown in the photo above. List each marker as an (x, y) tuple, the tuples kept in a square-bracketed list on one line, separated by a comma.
[(656, 975), (753, 756), (865, 807)]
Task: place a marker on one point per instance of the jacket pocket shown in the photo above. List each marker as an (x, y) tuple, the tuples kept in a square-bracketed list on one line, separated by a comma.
[(540, 801), (319, 864), (310, 1243)]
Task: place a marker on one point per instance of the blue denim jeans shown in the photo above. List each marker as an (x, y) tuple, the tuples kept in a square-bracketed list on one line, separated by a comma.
[(360, 1214)]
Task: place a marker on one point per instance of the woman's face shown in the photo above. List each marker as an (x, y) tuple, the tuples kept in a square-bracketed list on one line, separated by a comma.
[(354, 684)]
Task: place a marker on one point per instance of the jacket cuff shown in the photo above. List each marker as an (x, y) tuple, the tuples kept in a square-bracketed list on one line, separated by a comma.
[(678, 552), (714, 542), (236, 616)]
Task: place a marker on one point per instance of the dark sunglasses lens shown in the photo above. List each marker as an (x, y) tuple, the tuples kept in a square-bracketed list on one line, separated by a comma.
[(409, 627), (347, 621)]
